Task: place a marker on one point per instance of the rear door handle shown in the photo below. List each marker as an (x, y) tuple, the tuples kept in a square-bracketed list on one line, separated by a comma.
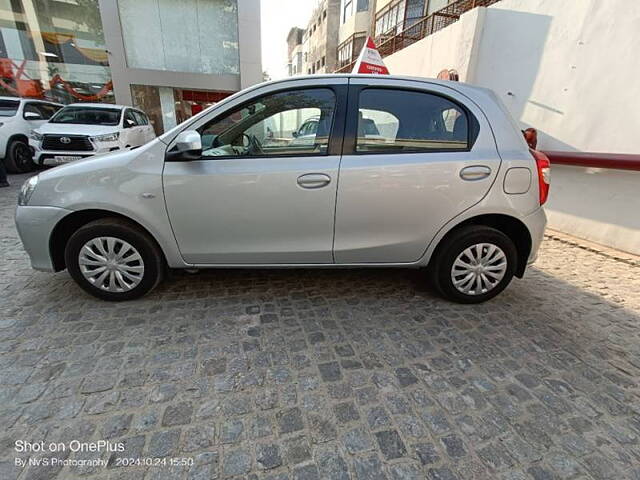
[(314, 180), (475, 172)]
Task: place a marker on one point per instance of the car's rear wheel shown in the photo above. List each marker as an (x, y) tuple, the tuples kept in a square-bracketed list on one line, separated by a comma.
[(19, 158), (475, 264), (112, 259)]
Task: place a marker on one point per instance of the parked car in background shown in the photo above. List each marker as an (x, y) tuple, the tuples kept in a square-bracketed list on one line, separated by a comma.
[(18, 117), (444, 181), (82, 130)]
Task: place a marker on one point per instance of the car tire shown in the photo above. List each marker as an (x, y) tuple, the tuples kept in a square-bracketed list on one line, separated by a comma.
[(132, 260), (19, 158), (474, 265)]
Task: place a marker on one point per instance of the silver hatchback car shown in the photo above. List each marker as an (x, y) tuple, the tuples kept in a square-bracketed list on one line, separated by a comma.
[(397, 172)]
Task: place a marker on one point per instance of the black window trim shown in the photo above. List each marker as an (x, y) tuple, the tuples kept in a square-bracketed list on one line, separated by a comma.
[(351, 129), (336, 133)]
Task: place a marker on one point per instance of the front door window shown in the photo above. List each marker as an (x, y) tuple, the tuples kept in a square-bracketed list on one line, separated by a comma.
[(270, 126)]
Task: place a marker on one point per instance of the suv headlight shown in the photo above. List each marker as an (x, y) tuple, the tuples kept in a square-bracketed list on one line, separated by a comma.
[(35, 136), (27, 190), (108, 137)]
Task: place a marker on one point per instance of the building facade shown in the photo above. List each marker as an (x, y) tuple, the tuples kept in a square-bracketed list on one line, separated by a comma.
[(320, 43), (355, 27), (295, 49), (395, 16), (171, 59)]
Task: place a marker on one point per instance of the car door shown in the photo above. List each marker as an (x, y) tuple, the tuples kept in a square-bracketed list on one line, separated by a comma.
[(433, 157), (148, 133), (253, 196)]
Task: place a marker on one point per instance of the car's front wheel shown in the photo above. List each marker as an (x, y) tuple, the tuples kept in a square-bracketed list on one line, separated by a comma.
[(19, 158), (476, 264), (113, 259)]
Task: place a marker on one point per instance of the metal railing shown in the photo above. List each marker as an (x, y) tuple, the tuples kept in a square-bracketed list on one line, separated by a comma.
[(357, 41), (391, 42)]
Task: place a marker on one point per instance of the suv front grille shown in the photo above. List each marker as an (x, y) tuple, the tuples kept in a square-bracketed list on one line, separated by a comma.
[(76, 143)]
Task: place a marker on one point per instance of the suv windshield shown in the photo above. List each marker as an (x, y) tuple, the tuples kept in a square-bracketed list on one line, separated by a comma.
[(8, 108), (88, 116)]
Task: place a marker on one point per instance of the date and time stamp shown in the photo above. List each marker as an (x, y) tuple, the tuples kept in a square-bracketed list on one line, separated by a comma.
[(100, 453)]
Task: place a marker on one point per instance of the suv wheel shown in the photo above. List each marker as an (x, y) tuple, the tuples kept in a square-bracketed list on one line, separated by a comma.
[(475, 265), (19, 158), (114, 260)]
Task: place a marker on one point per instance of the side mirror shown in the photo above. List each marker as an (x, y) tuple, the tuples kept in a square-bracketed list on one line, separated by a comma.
[(129, 123), (32, 116), (295, 134), (188, 146), (189, 141)]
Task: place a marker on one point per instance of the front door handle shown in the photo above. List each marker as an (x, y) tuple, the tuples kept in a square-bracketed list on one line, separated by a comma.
[(314, 180), (475, 172)]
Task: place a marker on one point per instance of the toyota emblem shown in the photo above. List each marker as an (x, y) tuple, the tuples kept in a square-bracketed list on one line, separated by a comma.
[(65, 140)]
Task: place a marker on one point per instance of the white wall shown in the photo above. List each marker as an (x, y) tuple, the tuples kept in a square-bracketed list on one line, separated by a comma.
[(601, 205), (554, 63), (356, 23), (447, 48), (569, 68), (572, 66)]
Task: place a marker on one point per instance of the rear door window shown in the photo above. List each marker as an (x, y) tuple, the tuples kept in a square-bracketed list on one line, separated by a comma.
[(8, 108), (405, 121)]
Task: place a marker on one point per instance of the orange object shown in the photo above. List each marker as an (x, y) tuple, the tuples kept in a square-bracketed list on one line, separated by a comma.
[(29, 88), (531, 136), (6, 68)]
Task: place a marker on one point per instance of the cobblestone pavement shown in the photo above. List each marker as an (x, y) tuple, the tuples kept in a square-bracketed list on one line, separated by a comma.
[(305, 375)]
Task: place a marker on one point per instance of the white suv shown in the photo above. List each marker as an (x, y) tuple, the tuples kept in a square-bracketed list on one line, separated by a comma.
[(18, 117), (82, 130)]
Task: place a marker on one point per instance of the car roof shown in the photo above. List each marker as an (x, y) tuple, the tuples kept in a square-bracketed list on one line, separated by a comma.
[(98, 105), (390, 78), (18, 99)]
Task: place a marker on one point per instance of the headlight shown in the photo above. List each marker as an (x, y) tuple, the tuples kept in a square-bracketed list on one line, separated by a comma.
[(35, 136), (109, 137), (27, 190)]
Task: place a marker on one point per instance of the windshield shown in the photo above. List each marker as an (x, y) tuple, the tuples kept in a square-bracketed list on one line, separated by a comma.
[(87, 116), (8, 108)]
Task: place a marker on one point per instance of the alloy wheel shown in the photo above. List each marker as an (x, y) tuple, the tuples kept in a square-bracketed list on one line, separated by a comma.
[(479, 269), (111, 264)]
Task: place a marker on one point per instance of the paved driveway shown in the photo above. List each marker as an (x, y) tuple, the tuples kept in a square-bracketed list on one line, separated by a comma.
[(324, 374)]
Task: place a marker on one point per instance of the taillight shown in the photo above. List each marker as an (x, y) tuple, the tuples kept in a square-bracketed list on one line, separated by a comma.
[(544, 174)]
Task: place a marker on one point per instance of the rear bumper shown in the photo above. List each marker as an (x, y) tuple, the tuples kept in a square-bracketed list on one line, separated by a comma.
[(35, 225), (536, 223)]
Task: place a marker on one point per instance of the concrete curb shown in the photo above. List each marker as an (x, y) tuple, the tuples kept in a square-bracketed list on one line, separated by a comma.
[(618, 255)]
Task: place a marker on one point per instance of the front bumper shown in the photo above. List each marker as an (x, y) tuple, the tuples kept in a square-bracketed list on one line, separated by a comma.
[(35, 225), (48, 157)]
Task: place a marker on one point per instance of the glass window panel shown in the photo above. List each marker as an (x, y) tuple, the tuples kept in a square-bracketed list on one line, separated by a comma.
[(363, 5), (199, 36), (8, 108), (54, 50), (399, 121), (81, 115), (288, 123)]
